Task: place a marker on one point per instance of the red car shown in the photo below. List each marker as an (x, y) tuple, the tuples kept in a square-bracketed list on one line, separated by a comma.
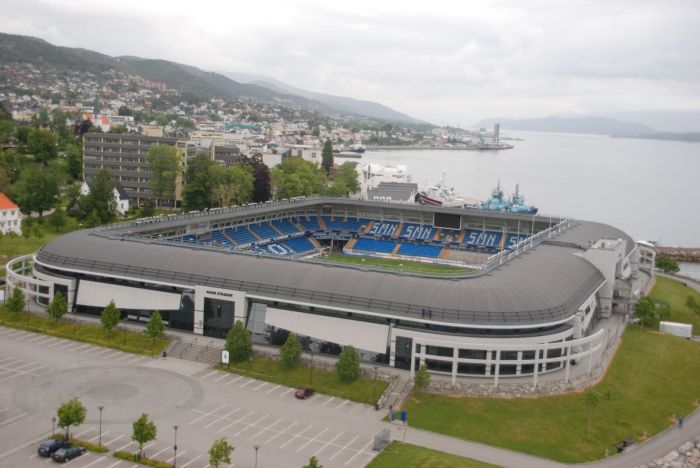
[(304, 393)]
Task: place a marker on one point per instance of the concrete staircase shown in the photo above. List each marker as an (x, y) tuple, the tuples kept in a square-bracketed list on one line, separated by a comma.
[(192, 351), (395, 394)]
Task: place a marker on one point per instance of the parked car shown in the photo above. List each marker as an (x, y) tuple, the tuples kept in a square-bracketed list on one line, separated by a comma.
[(304, 393), (49, 447), (68, 453)]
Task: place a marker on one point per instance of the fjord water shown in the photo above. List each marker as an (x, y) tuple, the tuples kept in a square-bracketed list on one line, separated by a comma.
[(650, 189)]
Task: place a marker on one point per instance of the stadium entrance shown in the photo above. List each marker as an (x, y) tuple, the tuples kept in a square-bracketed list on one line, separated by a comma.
[(218, 317)]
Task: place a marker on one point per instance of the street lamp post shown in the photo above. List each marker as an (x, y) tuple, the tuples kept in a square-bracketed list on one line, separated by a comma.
[(124, 330), (100, 408), (311, 370), (374, 383), (175, 447), (53, 425), (256, 455)]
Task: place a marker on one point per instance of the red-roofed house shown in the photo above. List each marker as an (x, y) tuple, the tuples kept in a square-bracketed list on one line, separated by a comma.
[(10, 216)]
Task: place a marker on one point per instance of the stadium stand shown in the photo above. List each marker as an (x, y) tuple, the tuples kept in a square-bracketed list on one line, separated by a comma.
[(299, 244), (285, 226), (416, 231), (419, 250), (263, 230), (220, 238), (371, 245), (383, 228), (483, 239), (513, 239), (241, 235), (309, 223), (346, 225)]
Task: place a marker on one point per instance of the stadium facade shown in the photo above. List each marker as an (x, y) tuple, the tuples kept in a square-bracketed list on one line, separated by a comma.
[(528, 305)]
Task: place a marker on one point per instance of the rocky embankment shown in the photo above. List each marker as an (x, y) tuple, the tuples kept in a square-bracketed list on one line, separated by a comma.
[(685, 456), (680, 254)]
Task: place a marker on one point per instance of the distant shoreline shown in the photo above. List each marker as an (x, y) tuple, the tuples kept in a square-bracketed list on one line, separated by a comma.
[(427, 147)]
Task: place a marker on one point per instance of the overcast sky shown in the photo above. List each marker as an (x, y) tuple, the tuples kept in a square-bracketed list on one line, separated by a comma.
[(446, 62)]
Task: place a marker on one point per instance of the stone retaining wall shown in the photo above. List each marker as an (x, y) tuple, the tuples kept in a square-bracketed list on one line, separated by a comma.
[(685, 456)]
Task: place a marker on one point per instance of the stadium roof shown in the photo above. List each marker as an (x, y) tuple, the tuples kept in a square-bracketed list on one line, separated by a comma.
[(542, 286)]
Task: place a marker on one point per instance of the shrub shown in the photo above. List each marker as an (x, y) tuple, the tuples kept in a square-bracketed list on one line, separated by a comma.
[(348, 365), (290, 354), (422, 378), (144, 461), (238, 343)]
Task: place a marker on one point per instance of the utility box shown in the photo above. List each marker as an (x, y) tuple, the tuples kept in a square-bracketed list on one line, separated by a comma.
[(684, 330)]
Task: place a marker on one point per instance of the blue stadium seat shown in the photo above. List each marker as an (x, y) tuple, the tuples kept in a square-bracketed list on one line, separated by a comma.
[(372, 245), (310, 223), (285, 226), (220, 238), (299, 244), (513, 239), (483, 239), (419, 250), (383, 228), (263, 230), (344, 225), (241, 235), (416, 231), (279, 249)]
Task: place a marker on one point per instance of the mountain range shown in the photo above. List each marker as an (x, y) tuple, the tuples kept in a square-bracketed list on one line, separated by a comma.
[(189, 79)]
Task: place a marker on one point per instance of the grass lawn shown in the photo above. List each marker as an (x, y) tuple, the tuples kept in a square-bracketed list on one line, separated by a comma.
[(394, 265), (325, 382), (652, 377), (675, 294), (412, 456), (137, 343)]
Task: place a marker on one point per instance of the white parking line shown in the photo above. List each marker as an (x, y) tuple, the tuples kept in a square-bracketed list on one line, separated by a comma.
[(82, 433), (272, 389), (248, 382), (346, 446), (296, 436), (210, 373), (125, 446), (113, 354), (362, 450), (59, 342), (222, 377), (36, 338), (107, 350), (259, 386), (249, 425), (221, 418), (158, 453), (68, 345), (114, 440), (236, 421), (137, 358), (207, 414), (13, 419), (98, 436), (190, 462), (98, 460), (265, 429), (287, 392), (114, 464), (283, 431), (126, 356), (171, 458), (328, 443), (234, 380), (312, 439), (328, 401), (48, 340), (342, 404)]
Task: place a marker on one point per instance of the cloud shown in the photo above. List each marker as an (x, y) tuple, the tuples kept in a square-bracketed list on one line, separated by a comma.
[(446, 62)]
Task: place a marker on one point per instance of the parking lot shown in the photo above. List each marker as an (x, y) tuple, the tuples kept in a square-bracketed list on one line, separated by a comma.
[(37, 372)]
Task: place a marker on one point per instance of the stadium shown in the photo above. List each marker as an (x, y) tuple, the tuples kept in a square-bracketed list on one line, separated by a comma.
[(508, 296)]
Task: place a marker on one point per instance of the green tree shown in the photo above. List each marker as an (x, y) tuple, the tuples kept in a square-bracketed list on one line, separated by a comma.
[(693, 304), (644, 310), (144, 431), (58, 218), (200, 182), (347, 174), (348, 365), (22, 134), (42, 144), (262, 185), (155, 327), (667, 264), (238, 343), (110, 317), (422, 378), (74, 157), (71, 414), (16, 302), (290, 354), (296, 177), (313, 463), (164, 164), (233, 185), (327, 156), (38, 190), (100, 200), (220, 453), (58, 306), (148, 208)]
